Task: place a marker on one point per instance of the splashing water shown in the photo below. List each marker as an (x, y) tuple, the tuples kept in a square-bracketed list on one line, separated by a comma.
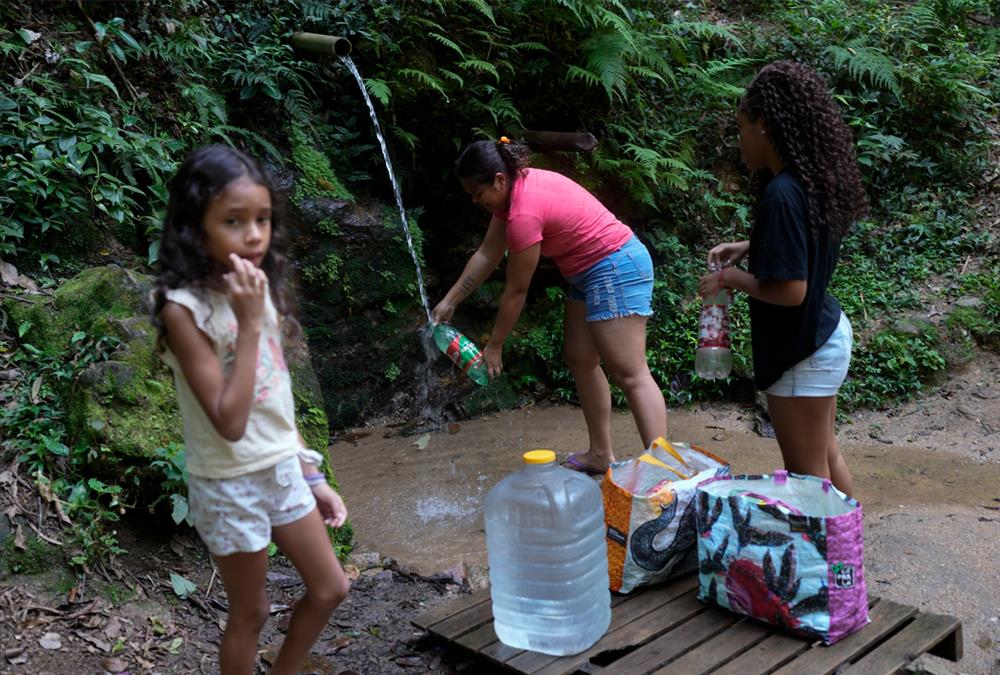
[(392, 177)]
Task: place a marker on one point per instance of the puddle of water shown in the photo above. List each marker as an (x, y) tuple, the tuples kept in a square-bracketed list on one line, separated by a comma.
[(424, 507)]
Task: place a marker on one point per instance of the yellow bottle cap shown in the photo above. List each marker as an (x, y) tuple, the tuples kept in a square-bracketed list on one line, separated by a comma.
[(538, 457)]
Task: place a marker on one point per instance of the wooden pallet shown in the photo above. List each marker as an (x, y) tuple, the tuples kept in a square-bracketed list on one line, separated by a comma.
[(666, 629)]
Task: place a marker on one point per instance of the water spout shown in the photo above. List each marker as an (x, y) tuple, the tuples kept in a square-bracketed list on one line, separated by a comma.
[(322, 44)]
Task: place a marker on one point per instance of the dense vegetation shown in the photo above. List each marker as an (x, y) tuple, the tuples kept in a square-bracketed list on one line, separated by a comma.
[(101, 100)]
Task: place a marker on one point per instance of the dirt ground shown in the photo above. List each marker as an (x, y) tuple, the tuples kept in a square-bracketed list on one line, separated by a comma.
[(927, 473)]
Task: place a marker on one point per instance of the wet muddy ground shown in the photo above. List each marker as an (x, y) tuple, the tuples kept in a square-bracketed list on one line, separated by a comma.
[(927, 474)]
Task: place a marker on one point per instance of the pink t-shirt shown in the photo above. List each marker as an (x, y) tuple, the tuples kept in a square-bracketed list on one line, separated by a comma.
[(575, 229)]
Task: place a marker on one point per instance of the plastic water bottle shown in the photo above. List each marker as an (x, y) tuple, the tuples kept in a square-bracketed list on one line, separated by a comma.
[(714, 358), (548, 558), (462, 351)]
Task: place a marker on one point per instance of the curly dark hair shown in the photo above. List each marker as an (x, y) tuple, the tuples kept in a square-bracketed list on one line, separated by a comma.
[(482, 160), (806, 127), (182, 258)]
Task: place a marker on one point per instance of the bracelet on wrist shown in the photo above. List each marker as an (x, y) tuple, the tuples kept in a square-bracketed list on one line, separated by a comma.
[(314, 479)]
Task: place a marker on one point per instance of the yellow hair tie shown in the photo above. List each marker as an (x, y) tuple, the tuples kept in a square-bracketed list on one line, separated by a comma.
[(504, 139)]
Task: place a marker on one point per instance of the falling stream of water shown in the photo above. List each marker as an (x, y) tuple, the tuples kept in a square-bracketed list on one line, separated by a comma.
[(428, 411), (392, 178)]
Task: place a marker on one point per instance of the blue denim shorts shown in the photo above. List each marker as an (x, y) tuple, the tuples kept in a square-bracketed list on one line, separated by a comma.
[(619, 285), (821, 373)]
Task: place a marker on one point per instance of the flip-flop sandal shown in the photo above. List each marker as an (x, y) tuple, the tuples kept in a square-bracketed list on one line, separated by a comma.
[(571, 462)]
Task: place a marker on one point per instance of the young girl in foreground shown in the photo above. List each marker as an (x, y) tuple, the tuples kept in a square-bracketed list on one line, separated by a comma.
[(219, 305), (809, 192)]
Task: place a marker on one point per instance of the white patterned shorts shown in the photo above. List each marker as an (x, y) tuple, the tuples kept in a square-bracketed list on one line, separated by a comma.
[(235, 515)]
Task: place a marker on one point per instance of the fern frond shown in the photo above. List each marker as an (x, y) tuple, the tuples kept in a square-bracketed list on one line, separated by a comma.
[(619, 25), (501, 108), (251, 135), (452, 75), (483, 8), (862, 62), (480, 65), (408, 139), (450, 44), (578, 73), (605, 57), (378, 89), (299, 109), (424, 78), (534, 46), (704, 30)]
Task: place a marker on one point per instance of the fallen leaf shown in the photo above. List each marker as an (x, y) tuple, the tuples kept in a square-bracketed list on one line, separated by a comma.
[(113, 664), (19, 538), (454, 428), (157, 626), (336, 645), (182, 585), (50, 641), (36, 386), (113, 628), (422, 442), (174, 646), (92, 639), (8, 273)]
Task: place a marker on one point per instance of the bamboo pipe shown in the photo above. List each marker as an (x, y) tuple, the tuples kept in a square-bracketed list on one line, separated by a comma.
[(567, 141), (322, 44)]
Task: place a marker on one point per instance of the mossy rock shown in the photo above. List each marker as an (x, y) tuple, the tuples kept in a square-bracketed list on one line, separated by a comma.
[(124, 407)]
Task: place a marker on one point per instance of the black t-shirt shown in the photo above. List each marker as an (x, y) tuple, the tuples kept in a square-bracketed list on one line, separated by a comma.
[(783, 248)]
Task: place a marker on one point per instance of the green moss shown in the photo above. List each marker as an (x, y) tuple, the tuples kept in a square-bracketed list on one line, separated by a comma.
[(37, 557), (318, 178)]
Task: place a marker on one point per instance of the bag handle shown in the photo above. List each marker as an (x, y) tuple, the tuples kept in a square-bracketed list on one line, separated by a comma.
[(650, 459), (663, 444), (764, 499)]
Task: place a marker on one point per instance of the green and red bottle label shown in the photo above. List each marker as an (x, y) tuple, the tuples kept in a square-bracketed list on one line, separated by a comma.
[(463, 353)]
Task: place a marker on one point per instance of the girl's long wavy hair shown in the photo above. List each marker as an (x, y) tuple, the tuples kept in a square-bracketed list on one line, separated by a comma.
[(183, 261), (482, 160), (812, 140)]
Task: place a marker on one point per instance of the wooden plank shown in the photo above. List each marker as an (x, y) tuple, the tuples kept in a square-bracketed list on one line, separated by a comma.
[(629, 608), (951, 647), (772, 653), (765, 656), (670, 645), (463, 622), (641, 629), (885, 618), (479, 638), (708, 655), (485, 635), (450, 607), (500, 652), (923, 634)]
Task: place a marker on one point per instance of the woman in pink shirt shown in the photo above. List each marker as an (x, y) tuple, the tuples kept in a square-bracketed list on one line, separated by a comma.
[(610, 277)]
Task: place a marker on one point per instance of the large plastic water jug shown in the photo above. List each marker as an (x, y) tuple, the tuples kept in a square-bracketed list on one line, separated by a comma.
[(548, 558)]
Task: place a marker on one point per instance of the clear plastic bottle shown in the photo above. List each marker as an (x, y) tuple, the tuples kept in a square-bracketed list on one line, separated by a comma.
[(462, 351), (548, 558), (714, 359)]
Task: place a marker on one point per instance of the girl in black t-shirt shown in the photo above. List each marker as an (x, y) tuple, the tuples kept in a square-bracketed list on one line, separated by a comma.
[(808, 192)]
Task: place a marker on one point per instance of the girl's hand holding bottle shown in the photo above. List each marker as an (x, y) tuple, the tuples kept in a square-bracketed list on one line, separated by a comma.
[(246, 287), (727, 254)]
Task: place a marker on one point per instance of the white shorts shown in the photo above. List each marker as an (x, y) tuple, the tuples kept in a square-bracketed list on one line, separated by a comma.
[(821, 373), (235, 515)]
